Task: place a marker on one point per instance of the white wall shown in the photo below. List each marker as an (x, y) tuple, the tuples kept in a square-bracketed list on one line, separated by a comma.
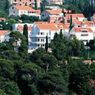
[(38, 37)]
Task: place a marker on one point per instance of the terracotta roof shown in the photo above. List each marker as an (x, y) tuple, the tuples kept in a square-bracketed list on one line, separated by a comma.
[(66, 26), (88, 23), (77, 22), (3, 19), (47, 26), (3, 32), (79, 29), (74, 15), (54, 12), (18, 7), (20, 28)]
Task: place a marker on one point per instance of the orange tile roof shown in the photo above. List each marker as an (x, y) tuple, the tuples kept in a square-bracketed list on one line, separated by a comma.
[(79, 29), (88, 23), (54, 12), (47, 26), (18, 7), (66, 26), (74, 15), (3, 32), (77, 22)]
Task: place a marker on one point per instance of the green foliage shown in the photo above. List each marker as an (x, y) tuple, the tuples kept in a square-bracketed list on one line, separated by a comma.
[(44, 73), (22, 47), (28, 19), (4, 6), (10, 88), (35, 4), (63, 47), (2, 92), (91, 44), (87, 7), (36, 55), (59, 46), (77, 47), (79, 77), (52, 82), (25, 32), (42, 8), (71, 24), (6, 68)]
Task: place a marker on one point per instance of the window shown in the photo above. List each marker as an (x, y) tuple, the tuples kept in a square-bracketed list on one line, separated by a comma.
[(84, 31), (84, 34), (38, 40), (41, 46), (12, 7), (41, 40), (41, 33)]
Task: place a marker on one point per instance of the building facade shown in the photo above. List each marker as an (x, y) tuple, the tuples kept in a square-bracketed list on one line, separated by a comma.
[(59, 2), (39, 33), (23, 10), (25, 2)]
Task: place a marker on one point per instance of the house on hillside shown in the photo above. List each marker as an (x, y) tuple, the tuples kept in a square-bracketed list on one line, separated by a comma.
[(39, 32), (23, 10), (51, 15), (30, 3), (83, 34)]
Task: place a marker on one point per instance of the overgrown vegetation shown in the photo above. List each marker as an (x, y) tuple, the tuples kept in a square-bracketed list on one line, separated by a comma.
[(44, 73)]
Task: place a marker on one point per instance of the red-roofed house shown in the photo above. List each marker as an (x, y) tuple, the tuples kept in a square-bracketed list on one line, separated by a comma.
[(23, 10), (51, 15), (39, 32), (83, 34), (25, 2)]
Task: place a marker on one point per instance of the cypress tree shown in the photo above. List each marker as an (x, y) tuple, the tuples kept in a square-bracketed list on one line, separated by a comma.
[(71, 24), (35, 4), (42, 6), (46, 44), (25, 32)]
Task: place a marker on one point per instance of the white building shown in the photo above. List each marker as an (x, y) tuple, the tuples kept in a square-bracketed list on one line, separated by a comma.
[(83, 34), (52, 15), (19, 27), (23, 10), (39, 32), (59, 2), (25, 2)]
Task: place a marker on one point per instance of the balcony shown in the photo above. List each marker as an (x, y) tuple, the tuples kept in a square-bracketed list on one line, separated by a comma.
[(40, 36)]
